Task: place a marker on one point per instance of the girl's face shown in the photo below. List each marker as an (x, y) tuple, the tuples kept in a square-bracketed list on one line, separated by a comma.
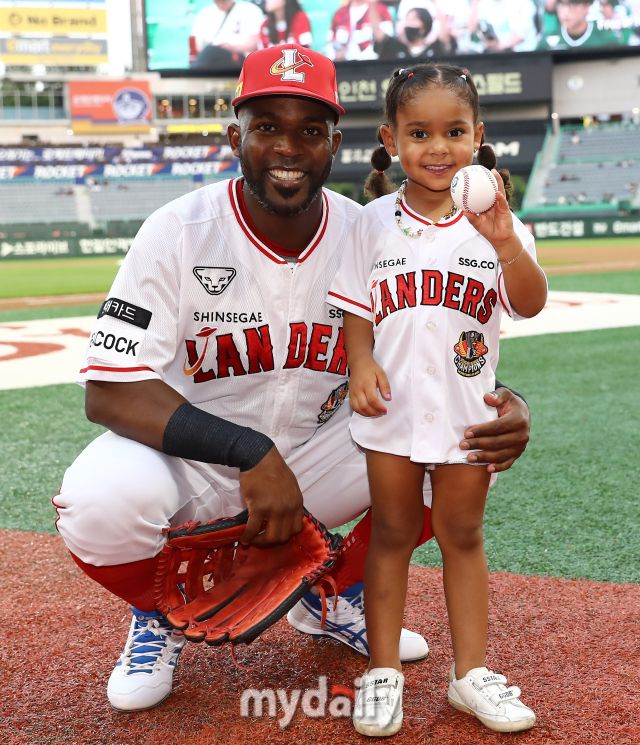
[(435, 136)]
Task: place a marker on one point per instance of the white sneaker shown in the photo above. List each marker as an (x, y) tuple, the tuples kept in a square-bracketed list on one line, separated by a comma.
[(143, 676), (485, 695), (377, 711), (347, 624)]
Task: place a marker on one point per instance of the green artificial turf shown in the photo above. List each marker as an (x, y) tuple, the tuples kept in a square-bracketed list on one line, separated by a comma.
[(54, 311), (569, 507), (624, 283), (42, 430), (37, 277)]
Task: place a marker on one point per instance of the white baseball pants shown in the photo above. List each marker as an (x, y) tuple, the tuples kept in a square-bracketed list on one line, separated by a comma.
[(118, 495)]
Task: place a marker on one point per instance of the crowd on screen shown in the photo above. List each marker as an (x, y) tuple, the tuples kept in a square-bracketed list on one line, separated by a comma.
[(227, 30)]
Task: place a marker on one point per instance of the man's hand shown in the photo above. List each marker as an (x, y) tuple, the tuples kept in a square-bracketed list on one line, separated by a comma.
[(274, 500), (502, 441)]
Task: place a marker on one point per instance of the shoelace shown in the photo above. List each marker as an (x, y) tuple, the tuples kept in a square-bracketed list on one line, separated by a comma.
[(147, 645), (352, 606)]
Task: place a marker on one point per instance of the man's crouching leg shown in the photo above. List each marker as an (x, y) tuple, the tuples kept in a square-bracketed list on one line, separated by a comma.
[(114, 502)]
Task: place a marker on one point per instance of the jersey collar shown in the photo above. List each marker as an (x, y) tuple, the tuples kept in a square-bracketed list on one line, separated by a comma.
[(576, 42), (442, 223), (270, 249)]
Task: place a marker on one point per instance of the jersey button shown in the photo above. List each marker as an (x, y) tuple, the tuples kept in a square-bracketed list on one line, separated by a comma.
[(431, 237), (280, 305), (433, 261), (276, 432), (431, 370), (428, 418), (431, 326)]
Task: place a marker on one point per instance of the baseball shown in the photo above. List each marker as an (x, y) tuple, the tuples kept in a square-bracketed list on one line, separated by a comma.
[(474, 189)]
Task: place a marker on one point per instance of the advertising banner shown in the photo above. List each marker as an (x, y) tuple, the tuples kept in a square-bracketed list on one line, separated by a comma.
[(61, 20), (56, 50), (110, 106), (204, 34), (116, 155), (79, 171), (498, 80), (65, 33), (584, 226)]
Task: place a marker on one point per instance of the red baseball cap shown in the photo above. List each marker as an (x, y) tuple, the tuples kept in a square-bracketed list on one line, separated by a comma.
[(288, 70)]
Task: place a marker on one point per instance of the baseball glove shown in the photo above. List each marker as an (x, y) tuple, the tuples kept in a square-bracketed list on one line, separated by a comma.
[(234, 593)]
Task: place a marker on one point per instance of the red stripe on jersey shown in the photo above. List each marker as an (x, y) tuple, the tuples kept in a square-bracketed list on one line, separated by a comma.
[(320, 233), (239, 217), (116, 369), (504, 305), (353, 302), (281, 251), (262, 243), (424, 221)]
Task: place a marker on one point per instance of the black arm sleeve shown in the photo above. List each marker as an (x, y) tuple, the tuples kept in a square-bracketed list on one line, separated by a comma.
[(515, 393), (195, 435)]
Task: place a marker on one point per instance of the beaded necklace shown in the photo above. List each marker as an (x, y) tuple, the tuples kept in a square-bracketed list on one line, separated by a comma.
[(409, 231)]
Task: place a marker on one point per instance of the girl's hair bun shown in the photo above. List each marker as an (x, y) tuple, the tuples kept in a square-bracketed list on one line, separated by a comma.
[(377, 183), (486, 157)]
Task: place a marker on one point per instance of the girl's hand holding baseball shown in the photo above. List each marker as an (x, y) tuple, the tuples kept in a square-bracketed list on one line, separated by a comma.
[(365, 381), (496, 224)]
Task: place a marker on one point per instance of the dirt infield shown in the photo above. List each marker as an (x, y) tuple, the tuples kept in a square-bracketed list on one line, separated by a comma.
[(570, 645), (589, 258)]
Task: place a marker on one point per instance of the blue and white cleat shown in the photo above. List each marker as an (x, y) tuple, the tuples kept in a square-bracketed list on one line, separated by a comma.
[(347, 624), (143, 676)]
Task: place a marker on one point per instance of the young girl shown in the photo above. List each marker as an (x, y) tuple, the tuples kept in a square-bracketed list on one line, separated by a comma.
[(423, 287)]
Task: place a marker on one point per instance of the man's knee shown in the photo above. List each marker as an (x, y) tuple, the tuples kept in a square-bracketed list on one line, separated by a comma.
[(114, 501)]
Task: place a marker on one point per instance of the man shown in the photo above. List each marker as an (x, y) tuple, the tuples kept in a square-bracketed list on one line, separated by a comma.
[(221, 303), (224, 33), (356, 28), (575, 30)]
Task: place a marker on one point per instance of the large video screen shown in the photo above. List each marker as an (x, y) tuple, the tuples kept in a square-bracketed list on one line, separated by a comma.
[(218, 34)]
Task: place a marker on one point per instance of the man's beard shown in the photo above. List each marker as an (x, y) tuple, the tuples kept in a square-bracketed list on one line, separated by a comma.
[(255, 180)]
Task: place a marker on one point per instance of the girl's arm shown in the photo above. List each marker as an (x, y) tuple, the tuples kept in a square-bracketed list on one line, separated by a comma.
[(524, 280), (366, 375)]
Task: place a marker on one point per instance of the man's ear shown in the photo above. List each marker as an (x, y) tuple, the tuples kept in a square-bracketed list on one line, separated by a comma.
[(337, 139), (233, 135), (389, 140)]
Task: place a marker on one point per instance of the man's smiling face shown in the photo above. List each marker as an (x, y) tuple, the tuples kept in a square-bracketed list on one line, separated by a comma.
[(286, 146)]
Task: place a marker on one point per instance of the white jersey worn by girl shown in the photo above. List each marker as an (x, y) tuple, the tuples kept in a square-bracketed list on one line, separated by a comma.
[(435, 302), (206, 305)]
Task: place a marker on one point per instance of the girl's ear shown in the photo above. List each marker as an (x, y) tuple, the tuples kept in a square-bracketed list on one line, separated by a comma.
[(389, 140), (477, 135)]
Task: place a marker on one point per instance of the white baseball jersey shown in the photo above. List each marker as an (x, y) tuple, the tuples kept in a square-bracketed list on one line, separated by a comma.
[(203, 302), (435, 303)]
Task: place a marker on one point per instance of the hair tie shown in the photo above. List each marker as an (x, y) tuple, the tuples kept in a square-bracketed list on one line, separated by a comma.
[(399, 72), (410, 75), (464, 77), (467, 71), (380, 172)]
